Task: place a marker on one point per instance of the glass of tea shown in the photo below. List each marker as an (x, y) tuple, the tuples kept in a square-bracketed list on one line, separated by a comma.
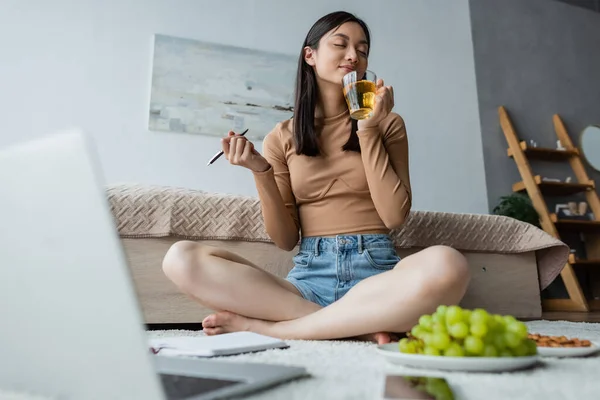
[(360, 94)]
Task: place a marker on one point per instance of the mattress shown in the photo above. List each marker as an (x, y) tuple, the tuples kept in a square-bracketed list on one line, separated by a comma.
[(145, 211)]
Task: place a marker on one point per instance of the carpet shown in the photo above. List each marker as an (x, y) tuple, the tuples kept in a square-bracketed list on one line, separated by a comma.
[(353, 370)]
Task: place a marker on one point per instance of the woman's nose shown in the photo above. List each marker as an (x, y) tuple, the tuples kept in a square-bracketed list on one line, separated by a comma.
[(352, 56)]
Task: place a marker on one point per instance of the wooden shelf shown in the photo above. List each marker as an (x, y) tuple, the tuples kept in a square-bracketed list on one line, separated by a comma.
[(583, 263), (537, 189), (556, 188), (563, 305), (594, 305), (575, 224), (545, 153)]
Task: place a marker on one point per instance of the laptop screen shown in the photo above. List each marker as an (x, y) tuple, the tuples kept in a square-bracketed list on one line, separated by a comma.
[(178, 387)]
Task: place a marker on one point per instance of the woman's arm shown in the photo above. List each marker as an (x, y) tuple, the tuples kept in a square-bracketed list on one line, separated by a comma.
[(384, 152), (276, 197)]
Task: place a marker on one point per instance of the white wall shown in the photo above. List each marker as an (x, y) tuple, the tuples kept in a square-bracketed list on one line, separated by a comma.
[(88, 63)]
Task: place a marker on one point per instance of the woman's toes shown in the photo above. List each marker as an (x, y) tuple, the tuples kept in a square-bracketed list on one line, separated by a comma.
[(222, 318), (208, 331), (213, 331), (382, 338), (209, 321), (225, 321)]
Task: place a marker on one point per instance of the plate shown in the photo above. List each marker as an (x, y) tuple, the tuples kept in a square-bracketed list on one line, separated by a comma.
[(568, 351), (471, 364)]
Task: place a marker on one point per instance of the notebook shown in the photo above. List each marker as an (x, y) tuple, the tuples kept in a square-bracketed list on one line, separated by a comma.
[(212, 346)]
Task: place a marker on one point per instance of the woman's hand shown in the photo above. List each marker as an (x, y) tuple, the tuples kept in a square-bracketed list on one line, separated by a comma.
[(240, 151), (384, 103)]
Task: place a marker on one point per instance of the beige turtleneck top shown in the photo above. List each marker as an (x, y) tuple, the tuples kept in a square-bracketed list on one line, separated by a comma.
[(338, 192)]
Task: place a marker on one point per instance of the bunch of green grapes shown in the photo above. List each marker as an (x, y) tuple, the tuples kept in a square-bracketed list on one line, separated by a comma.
[(456, 332)]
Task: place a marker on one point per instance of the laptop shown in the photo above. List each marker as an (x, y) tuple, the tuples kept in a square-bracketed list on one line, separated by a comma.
[(71, 324)]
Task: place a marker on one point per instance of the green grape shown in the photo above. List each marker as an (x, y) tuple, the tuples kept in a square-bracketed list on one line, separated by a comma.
[(499, 342), (473, 345), (403, 345), (440, 340), (453, 315), (454, 350), (439, 327), (417, 331), (479, 316), (412, 347), (518, 328), (531, 347), (441, 310), (505, 353), (460, 330), (521, 350), (511, 339), (492, 324), (431, 351), (508, 319), (438, 318), (479, 329), (466, 316), (490, 351), (499, 320), (426, 321), (489, 338), (426, 338)]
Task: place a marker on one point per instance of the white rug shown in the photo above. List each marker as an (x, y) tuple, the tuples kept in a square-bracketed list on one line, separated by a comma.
[(353, 370)]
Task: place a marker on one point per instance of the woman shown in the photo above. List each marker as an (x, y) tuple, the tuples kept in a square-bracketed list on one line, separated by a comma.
[(344, 184)]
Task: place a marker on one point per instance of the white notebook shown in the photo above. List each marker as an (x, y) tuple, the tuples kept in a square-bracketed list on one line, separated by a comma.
[(211, 346)]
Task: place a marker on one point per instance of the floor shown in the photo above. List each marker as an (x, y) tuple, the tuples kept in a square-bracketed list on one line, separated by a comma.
[(353, 370)]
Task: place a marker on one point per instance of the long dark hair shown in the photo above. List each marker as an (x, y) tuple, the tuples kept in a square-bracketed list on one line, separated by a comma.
[(305, 135)]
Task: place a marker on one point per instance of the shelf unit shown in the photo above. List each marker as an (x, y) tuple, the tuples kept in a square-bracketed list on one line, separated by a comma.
[(537, 188), (552, 188)]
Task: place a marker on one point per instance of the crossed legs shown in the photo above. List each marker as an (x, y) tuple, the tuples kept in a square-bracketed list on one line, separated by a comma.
[(249, 298)]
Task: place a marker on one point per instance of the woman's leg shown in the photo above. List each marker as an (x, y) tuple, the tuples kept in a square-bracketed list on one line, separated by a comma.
[(389, 302), (225, 281)]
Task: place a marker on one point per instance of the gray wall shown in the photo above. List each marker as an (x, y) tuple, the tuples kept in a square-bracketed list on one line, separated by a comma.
[(88, 64), (536, 58), (593, 5)]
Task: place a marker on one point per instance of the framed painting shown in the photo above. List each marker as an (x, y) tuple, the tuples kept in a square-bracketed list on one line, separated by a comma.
[(209, 89)]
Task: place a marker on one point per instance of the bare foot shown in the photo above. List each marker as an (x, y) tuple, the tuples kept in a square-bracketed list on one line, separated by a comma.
[(225, 321), (382, 337), (379, 337)]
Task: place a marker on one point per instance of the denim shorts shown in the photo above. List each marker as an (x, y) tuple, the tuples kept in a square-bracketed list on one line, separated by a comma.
[(326, 268)]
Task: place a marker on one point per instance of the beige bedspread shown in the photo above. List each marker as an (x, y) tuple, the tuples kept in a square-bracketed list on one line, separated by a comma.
[(157, 211)]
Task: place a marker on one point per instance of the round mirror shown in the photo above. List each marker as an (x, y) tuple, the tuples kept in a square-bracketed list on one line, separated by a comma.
[(590, 145)]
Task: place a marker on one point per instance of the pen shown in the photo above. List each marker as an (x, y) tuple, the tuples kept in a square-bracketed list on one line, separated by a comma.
[(219, 154)]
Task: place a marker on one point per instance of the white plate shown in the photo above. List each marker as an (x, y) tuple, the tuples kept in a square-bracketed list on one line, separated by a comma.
[(473, 364), (568, 351)]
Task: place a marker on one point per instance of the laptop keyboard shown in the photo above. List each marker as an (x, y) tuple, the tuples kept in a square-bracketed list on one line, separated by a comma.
[(178, 387)]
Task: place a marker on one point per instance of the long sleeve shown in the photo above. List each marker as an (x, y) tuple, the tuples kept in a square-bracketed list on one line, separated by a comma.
[(385, 158), (276, 197)]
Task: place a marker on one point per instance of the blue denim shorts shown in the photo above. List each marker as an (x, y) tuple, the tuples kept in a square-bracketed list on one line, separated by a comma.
[(326, 268)]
